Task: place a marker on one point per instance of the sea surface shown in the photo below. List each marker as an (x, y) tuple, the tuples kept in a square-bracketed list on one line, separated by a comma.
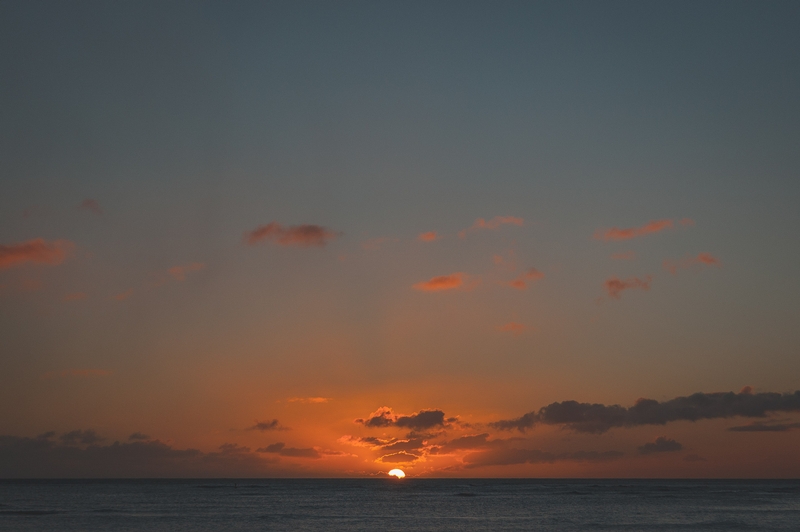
[(391, 504)]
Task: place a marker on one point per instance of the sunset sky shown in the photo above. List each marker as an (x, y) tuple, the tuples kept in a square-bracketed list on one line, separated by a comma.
[(523, 239)]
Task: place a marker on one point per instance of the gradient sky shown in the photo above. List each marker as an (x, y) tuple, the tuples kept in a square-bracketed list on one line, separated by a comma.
[(330, 239)]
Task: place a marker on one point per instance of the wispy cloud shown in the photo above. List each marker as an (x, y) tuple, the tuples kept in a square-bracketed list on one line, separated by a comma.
[(430, 236), (292, 452), (91, 205), (309, 400), (306, 235), (615, 286), (701, 260), (272, 424), (179, 272), (37, 250), (513, 327), (530, 276), (494, 223), (443, 282), (616, 233), (81, 373)]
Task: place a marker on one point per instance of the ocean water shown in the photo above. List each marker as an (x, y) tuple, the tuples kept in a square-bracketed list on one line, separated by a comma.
[(391, 504)]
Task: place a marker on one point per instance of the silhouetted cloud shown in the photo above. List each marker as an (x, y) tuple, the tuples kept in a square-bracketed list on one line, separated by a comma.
[(615, 233), (38, 251), (614, 286), (291, 452), (510, 456), (430, 236), (296, 235), (494, 223), (424, 419), (661, 445), (760, 426), (85, 437), (443, 282), (530, 276), (138, 436), (91, 206), (179, 272), (702, 259), (267, 425), (598, 418)]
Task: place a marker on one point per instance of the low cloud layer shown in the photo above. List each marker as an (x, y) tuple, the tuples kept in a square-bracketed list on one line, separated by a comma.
[(661, 445), (291, 452), (37, 251), (599, 418), (296, 235)]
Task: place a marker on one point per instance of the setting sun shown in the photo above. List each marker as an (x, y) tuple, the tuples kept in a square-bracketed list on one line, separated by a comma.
[(399, 473)]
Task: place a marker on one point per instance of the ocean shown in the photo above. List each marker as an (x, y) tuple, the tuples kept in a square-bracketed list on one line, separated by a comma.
[(391, 504)]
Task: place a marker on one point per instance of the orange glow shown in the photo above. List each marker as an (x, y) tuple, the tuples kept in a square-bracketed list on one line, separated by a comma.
[(615, 233), (37, 250), (614, 286), (430, 236), (442, 282), (397, 473)]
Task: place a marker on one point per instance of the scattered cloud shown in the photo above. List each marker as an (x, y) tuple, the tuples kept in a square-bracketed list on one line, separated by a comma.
[(91, 205), (37, 250), (430, 236), (83, 373), (494, 223), (296, 235), (530, 276), (661, 445), (122, 296), (598, 418), (424, 419), (179, 272), (625, 255), (267, 425), (291, 452), (308, 400), (701, 260), (615, 233), (442, 282), (614, 286), (761, 426), (75, 296), (513, 327)]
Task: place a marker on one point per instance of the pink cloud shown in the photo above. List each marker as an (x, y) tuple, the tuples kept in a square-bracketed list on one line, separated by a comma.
[(615, 233), (296, 235), (513, 327), (494, 223), (442, 282), (530, 276), (179, 272), (626, 255), (75, 296), (82, 373), (702, 259), (91, 206), (430, 236), (615, 286), (37, 250)]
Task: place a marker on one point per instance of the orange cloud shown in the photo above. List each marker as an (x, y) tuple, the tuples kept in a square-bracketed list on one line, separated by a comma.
[(513, 327), (179, 272), (124, 295), (309, 400), (521, 282), (37, 250), (75, 296), (686, 222), (615, 286), (626, 255), (430, 236), (296, 235), (83, 373), (494, 223), (702, 259), (91, 205), (615, 233), (443, 282)]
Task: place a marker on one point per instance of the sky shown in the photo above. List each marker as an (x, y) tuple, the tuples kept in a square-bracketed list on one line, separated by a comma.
[(465, 239)]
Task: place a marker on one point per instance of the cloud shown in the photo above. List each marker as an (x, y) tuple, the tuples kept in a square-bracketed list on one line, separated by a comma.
[(686, 222), (75, 296), (614, 286), (530, 276), (424, 419), (138, 436), (661, 445), (702, 259), (398, 458), (599, 418), (475, 441), (308, 400), (91, 206), (267, 425), (296, 235), (760, 426), (122, 296), (83, 373), (513, 327), (510, 456), (85, 437), (626, 255), (291, 452), (179, 272), (442, 282), (430, 236), (615, 233), (494, 223), (37, 250)]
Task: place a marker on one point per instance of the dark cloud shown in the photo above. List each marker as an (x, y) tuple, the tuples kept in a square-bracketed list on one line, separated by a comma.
[(598, 418), (292, 452), (661, 445), (267, 425), (47, 435), (138, 436), (760, 426), (476, 441), (85, 437), (510, 456), (422, 420), (296, 235)]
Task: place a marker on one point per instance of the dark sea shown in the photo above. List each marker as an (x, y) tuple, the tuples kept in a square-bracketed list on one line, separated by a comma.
[(390, 504)]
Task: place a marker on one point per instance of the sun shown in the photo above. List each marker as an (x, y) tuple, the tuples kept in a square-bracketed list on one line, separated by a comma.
[(397, 473)]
